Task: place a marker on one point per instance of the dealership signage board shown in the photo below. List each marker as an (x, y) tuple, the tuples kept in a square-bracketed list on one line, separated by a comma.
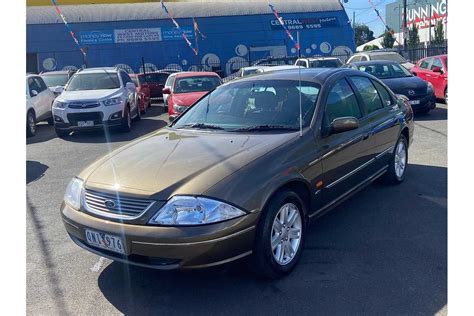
[(134, 35), (96, 37), (173, 34), (137, 35), (304, 23)]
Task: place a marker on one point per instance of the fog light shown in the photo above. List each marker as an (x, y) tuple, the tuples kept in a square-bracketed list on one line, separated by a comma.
[(58, 119), (116, 116)]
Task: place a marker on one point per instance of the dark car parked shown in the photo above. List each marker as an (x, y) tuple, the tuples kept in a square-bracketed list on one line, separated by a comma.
[(156, 82), (420, 93), (242, 171)]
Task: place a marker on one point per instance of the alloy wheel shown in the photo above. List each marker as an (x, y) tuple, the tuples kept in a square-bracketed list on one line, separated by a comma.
[(400, 159), (286, 233), (31, 123)]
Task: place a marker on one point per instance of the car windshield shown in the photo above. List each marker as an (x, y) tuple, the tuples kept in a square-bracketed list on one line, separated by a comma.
[(196, 84), (257, 105), (391, 57), (332, 63), (386, 71), (94, 81), (55, 80)]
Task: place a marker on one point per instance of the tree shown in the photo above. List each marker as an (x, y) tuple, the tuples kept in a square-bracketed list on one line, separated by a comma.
[(413, 37), (438, 34), (388, 40), (362, 34), (370, 47)]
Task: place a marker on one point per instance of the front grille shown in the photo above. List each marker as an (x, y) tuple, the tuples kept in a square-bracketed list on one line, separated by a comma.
[(73, 118), (83, 105), (115, 205)]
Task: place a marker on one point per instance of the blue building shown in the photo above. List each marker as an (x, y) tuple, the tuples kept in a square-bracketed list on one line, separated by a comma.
[(132, 35)]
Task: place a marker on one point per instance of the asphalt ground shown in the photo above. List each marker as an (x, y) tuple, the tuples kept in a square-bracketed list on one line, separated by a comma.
[(384, 251)]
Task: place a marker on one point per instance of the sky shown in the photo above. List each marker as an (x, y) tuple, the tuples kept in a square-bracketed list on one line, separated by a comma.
[(366, 15)]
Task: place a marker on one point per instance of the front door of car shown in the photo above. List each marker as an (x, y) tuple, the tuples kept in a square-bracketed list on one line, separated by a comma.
[(436, 76), (344, 154), (423, 68)]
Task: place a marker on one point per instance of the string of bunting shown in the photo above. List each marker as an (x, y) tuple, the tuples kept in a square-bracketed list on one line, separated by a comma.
[(280, 20), (60, 13), (183, 34), (381, 18)]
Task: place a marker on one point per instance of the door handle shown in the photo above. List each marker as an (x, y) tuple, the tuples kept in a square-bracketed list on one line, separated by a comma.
[(366, 136)]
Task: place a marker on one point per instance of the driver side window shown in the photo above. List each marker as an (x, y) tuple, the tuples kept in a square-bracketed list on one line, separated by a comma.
[(341, 102)]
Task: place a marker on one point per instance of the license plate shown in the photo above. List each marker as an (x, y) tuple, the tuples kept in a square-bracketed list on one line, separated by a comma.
[(85, 123), (414, 102), (105, 241)]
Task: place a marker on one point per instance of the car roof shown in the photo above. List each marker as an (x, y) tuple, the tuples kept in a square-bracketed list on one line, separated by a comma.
[(186, 74), (377, 52), (436, 56), (56, 72), (98, 70), (255, 67), (374, 62), (318, 75), (319, 58)]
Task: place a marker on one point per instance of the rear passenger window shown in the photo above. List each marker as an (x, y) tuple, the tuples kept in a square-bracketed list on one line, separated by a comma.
[(341, 102), (384, 94), (368, 93)]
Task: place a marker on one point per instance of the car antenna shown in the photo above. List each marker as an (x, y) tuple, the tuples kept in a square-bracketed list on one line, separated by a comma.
[(299, 78)]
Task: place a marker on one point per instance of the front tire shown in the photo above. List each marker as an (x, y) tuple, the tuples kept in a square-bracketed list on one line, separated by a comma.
[(126, 121), (30, 124), (280, 236), (398, 163)]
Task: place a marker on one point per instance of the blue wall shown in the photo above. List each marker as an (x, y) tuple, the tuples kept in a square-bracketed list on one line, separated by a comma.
[(227, 42)]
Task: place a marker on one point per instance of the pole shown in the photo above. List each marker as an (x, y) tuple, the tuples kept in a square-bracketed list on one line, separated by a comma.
[(353, 19), (298, 41), (430, 23), (405, 31)]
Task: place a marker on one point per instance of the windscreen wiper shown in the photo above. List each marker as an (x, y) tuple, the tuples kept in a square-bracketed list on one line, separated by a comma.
[(201, 126), (266, 128)]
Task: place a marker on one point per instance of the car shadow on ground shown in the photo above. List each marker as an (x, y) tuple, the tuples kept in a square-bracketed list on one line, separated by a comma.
[(34, 170), (147, 124), (383, 251), (437, 114)]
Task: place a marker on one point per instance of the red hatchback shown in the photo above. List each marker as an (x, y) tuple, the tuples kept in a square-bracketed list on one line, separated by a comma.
[(156, 82), (187, 88), (143, 91), (435, 70)]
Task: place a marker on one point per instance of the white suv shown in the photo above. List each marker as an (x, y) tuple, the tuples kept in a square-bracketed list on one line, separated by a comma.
[(38, 103), (96, 98)]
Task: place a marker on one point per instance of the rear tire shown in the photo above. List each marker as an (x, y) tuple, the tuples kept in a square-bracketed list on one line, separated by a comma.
[(446, 96), (30, 124), (126, 121), (279, 242), (138, 117), (398, 163)]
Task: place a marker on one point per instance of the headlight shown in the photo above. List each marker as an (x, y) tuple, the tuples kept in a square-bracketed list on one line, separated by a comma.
[(430, 87), (73, 193), (190, 210), (59, 104), (179, 108), (113, 101)]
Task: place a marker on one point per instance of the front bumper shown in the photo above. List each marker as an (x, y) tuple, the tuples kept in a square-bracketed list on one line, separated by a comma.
[(426, 102), (163, 247)]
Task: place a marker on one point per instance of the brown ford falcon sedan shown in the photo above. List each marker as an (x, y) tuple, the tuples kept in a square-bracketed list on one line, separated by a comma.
[(242, 172)]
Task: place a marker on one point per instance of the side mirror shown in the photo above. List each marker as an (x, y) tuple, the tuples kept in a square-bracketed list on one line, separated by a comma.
[(34, 93), (172, 118), (437, 69), (130, 86), (166, 91), (344, 124), (58, 89)]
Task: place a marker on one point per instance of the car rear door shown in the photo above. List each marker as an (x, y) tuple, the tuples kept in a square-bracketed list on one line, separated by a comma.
[(381, 112), (44, 99), (345, 154)]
